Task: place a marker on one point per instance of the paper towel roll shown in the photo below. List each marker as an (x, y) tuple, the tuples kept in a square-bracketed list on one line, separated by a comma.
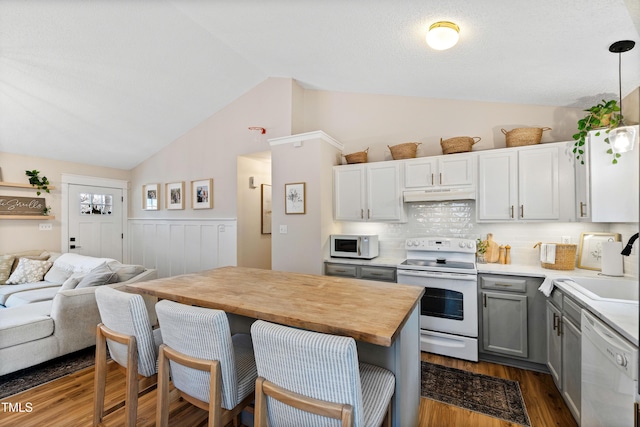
[(611, 258)]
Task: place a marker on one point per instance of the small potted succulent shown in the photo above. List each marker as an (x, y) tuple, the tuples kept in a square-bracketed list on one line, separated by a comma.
[(481, 249), (605, 115)]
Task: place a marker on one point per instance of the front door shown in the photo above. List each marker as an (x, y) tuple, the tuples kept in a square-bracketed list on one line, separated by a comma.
[(95, 221)]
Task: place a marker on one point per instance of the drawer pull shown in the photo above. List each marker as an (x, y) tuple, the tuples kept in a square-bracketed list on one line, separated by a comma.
[(504, 285), (376, 274), (339, 270)]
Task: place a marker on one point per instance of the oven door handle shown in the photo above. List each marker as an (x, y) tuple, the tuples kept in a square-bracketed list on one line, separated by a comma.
[(433, 275)]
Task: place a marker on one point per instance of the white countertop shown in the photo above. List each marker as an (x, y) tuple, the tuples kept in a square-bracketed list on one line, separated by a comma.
[(622, 317)]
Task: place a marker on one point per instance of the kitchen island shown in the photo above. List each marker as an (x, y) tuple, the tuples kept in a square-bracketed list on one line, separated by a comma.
[(382, 317)]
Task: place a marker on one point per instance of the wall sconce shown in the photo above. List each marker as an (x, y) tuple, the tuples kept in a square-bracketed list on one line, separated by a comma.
[(622, 138), (257, 132), (443, 35)]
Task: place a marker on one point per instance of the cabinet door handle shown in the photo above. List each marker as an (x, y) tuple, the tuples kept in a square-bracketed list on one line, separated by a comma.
[(511, 211), (555, 321), (484, 300), (559, 326), (362, 213), (440, 178), (431, 179), (521, 211), (582, 206), (368, 213)]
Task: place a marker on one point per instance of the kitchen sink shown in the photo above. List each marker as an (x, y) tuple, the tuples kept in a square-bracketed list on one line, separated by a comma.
[(603, 289)]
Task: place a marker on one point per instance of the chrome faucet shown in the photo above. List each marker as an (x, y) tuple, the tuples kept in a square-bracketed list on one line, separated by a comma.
[(627, 249)]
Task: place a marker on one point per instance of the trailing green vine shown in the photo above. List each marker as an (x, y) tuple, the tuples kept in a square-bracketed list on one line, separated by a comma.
[(603, 115), (35, 180)]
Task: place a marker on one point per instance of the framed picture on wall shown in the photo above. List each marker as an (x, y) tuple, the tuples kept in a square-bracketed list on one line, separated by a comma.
[(202, 194), (265, 202), (295, 198), (590, 251), (174, 195), (151, 197)]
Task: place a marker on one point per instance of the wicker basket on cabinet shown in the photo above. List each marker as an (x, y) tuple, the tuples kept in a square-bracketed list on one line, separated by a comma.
[(407, 150), (459, 144), (523, 136)]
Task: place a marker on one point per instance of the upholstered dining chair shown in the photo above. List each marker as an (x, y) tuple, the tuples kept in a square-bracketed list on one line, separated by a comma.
[(306, 378), (210, 368), (133, 344)]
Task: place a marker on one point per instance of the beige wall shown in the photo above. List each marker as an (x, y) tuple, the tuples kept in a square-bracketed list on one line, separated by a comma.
[(360, 120), (254, 248), (631, 107), (309, 160), (18, 235), (210, 150)]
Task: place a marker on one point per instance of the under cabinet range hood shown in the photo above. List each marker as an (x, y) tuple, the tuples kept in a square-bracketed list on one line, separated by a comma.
[(439, 195)]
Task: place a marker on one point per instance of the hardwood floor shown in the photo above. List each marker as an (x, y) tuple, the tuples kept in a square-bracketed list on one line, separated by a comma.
[(68, 402)]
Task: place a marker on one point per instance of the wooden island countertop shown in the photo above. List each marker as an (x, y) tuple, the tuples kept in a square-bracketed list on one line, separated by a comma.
[(369, 311)]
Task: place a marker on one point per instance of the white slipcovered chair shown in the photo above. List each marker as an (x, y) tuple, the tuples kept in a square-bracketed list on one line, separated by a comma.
[(210, 368), (311, 379), (126, 329)]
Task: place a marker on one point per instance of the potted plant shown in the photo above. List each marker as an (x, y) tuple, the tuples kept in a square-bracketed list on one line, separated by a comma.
[(481, 246), (36, 181), (602, 115)]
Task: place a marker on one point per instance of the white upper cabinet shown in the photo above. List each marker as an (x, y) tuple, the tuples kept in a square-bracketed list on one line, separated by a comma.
[(606, 192), (525, 184), (368, 192), (456, 169)]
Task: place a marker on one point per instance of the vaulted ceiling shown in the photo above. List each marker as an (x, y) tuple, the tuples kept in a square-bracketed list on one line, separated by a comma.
[(112, 82)]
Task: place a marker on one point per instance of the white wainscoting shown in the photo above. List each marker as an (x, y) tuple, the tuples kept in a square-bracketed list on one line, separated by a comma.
[(182, 246)]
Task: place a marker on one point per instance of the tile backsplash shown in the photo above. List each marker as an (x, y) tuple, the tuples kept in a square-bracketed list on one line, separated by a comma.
[(457, 219)]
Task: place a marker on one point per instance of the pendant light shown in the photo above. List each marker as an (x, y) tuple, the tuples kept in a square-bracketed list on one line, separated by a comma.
[(443, 35), (622, 138)]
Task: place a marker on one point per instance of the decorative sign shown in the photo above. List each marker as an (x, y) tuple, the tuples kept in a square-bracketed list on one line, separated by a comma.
[(21, 205)]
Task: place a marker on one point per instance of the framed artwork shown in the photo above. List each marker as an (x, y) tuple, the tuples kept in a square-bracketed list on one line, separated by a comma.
[(174, 195), (590, 251), (295, 200), (265, 202), (151, 197), (202, 194)]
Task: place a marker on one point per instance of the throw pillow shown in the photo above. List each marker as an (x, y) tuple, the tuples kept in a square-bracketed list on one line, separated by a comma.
[(128, 271), (41, 256), (28, 271), (71, 283), (101, 275), (57, 274), (6, 261)]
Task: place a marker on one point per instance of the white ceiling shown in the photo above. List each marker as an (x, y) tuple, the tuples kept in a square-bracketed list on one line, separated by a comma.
[(112, 82)]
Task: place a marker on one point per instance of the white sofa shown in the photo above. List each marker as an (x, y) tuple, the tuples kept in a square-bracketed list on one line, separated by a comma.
[(45, 319)]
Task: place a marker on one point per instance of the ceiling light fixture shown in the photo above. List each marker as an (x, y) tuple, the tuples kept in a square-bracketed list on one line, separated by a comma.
[(622, 138), (443, 35)]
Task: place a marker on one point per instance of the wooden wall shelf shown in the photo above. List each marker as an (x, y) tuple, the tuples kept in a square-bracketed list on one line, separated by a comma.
[(20, 185), (44, 217)]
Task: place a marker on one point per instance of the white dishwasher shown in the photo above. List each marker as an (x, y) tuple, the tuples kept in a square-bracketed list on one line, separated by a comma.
[(609, 377)]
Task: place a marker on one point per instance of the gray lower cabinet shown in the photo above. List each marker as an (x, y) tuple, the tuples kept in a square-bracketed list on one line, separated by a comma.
[(511, 320), (564, 346), (365, 272)]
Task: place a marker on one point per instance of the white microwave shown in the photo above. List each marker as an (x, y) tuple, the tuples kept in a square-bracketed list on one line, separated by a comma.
[(363, 246)]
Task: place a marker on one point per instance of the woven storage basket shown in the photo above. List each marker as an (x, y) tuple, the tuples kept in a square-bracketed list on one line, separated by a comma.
[(407, 150), (523, 136), (565, 257), (459, 144), (359, 157)]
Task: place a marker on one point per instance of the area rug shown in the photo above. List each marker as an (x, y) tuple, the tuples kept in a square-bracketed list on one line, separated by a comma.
[(19, 381), (487, 395)]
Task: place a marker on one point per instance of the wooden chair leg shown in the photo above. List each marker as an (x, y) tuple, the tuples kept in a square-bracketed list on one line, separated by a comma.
[(100, 377), (162, 410), (260, 410), (132, 385), (387, 417)]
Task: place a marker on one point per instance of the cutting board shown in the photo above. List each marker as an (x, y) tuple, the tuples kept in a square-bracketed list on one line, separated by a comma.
[(493, 249)]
